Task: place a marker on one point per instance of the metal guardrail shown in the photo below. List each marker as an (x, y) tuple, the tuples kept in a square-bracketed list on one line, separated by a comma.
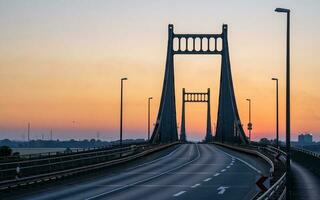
[(87, 166), (273, 191), (67, 151), (278, 150), (45, 154), (308, 159), (32, 167), (64, 156), (277, 190), (314, 154)]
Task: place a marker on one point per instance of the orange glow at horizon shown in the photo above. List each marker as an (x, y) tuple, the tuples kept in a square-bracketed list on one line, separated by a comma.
[(61, 64)]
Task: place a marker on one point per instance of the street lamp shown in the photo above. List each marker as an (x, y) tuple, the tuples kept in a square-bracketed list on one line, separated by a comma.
[(288, 174), (277, 111), (249, 124), (149, 99), (121, 109)]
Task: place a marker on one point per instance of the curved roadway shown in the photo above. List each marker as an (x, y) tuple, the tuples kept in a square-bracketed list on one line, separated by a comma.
[(190, 171)]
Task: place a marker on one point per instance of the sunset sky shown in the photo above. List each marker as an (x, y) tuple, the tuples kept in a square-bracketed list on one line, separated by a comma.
[(61, 63)]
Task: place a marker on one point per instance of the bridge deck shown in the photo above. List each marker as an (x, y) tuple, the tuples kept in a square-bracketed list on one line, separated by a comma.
[(187, 172)]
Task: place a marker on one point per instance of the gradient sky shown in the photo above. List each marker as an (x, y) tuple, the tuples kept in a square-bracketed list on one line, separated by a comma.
[(61, 63)]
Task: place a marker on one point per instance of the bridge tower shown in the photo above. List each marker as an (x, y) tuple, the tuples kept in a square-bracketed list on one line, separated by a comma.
[(196, 97), (166, 125), (228, 119), (165, 129), (183, 136)]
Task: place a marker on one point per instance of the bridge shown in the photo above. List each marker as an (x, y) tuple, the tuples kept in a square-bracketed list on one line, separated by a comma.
[(225, 166)]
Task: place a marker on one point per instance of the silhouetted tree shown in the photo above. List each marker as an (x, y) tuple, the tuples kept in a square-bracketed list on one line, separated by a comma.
[(265, 141), (5, 151)]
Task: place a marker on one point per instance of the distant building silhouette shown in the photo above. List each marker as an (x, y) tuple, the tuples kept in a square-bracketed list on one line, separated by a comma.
[(305, 139)]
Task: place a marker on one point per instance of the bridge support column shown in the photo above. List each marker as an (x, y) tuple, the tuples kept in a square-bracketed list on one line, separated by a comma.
[(209, 137), (183, 137), (166, 125), (227, 110)]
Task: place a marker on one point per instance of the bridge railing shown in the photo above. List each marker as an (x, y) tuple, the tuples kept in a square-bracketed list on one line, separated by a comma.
[(276, 191), (50, 171), (45, 165), (67, 151), (314, 154), (13, 158), (308, 159)]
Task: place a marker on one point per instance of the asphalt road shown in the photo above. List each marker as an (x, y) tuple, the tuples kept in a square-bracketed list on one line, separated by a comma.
[(190, 171), (306, 183)]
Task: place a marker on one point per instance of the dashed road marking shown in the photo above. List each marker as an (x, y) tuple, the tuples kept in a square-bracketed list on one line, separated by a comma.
[(228, 166), (206, 180), (244, 162), (217, 174), (223, 170), (147, 179), (196, 185), (179, 193)]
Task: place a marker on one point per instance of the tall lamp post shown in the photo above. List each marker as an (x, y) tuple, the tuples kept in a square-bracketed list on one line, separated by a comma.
[(288, 174), (277, 111), (249, 124), (121, 109), (149, 99)]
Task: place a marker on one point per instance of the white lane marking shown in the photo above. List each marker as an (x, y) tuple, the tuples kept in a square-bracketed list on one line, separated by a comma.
[(179, 193), (155, 172), (223, 170), (206, 180), (196, 185), (244, 162), (228, 166), (222, 189), (190, 153), (217, 174), (147, 179), (231, 163), (163, 157)]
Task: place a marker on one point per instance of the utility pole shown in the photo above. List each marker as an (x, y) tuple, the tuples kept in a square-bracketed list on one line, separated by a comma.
[(29, 134), (249, 124), (149, 99), (277, 111), (121, 109), (98, 135), (51, 135), (288, 128)]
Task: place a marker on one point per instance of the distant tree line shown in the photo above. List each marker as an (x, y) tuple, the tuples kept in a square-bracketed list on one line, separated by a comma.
[(65, 143)]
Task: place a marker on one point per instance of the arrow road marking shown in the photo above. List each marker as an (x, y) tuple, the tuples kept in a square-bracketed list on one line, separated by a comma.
[(222, 189)]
